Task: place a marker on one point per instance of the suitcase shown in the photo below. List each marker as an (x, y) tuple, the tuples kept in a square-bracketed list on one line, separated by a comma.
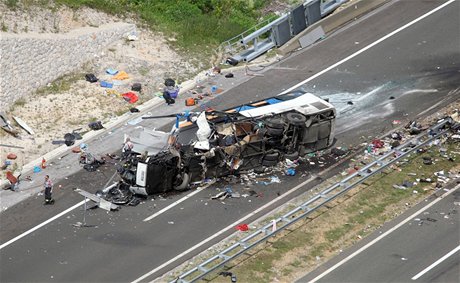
[(168, 98)]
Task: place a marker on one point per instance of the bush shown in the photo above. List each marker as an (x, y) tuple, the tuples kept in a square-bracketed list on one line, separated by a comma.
[(192, 23)]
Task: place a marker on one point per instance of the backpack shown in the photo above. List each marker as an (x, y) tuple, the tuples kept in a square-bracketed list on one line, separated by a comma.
[(190, 101), (170, 82), (91, 78), (168, 98), (136, 87)]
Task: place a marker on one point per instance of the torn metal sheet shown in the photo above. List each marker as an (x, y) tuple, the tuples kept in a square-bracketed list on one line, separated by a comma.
[(102, 203), (150, 141), (24, 125)]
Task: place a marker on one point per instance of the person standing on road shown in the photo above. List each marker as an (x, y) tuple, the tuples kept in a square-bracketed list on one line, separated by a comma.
[(127, 148), (48, 190)]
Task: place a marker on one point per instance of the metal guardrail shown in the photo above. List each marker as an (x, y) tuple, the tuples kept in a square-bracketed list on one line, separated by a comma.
[(313, 204), (260, 38)]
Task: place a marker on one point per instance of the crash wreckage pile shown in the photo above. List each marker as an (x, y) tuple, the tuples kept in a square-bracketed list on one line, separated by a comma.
[(243, 144), (213, 144)]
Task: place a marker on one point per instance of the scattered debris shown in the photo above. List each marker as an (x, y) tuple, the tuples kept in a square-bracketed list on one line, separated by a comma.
[(6, 125), (111, 71), (121, 75), (11, 156), (97, 125), (101, 202), (427, 160), (130, 97), (106, 84), (11, 146), (23, 125), (242, 227), (91, 78)]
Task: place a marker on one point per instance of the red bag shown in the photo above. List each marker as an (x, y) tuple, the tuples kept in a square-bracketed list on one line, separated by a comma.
[(242, 227), (131, 97)]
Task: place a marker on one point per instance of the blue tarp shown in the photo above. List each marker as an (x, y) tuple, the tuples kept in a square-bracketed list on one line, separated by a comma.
[(273, 101), (243, 107)]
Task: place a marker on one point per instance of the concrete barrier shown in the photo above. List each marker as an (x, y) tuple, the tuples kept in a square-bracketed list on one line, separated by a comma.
[(334, 21)]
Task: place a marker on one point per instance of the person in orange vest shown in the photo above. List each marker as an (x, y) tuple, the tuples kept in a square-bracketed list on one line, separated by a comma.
[(48, 190)]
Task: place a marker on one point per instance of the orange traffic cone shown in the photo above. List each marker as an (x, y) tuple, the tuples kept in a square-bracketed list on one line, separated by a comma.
[(43, 163)]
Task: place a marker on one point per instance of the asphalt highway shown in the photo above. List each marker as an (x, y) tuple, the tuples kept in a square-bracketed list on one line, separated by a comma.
[(418, 66), (425, 248)]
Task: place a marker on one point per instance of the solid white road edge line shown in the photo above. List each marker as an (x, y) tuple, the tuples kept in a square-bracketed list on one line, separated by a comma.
[(436, 263), (382, 236), (368, 47), (288, 90), (174, 204), (223, 230), (42, 224)]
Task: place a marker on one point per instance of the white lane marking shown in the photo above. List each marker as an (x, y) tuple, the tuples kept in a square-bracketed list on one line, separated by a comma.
[(369, 46), (382, 236), (436, 263), (222, 231), (288, 90), (42, 224), (174, 204)]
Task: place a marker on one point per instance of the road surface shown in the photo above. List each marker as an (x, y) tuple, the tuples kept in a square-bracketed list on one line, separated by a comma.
[(418, 66), (424, 247)]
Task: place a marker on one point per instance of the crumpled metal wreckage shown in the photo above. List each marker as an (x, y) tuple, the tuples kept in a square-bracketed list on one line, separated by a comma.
[(213, 144)]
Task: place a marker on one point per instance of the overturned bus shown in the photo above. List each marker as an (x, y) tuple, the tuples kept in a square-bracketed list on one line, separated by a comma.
[(213, 144)]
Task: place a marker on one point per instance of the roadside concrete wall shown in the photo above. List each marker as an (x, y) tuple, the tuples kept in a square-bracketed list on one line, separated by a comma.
[(29, 61)]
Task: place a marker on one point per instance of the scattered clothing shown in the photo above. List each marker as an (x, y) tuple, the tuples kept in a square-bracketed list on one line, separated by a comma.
[(111, 71), (130, 97), (106, 84), (121, 76)]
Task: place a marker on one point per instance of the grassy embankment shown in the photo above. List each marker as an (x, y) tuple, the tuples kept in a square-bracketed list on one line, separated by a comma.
[(196, 26)]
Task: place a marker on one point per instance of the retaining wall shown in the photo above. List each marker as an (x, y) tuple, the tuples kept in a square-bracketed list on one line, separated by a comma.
[(29, 61)]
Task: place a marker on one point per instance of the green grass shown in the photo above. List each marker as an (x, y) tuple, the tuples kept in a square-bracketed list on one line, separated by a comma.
[(4, 27), (197, 26), (12, 4), (62, 84), (143, 71)]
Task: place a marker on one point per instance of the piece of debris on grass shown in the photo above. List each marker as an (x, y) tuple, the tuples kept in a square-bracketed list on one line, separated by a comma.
[(242, 227)]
